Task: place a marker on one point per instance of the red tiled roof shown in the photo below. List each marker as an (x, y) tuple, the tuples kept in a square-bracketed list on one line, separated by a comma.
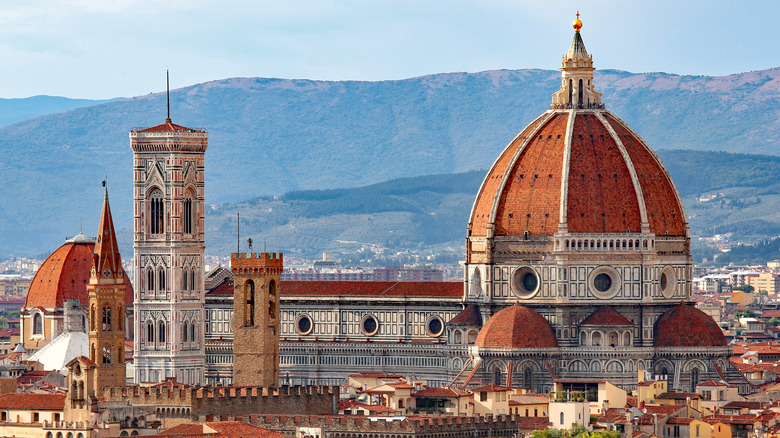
[(606, 315), (47, 402), (600, 194), (686, 326), (449, 289), (168, 126), (711, 383), (468, 316), (731, 419), (220, 429), (64, 276), (224, 288), (517, 327)]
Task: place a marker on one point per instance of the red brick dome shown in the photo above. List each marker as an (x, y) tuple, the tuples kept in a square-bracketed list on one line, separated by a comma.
[(599, 177), (517, 327), (64, 276), (687, 326)]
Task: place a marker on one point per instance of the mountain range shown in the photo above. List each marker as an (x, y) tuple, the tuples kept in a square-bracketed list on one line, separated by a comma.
[(273, 136)]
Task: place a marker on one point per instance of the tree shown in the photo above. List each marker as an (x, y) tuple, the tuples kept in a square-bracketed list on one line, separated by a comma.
[(745, 287), (746, 313), (773, 321)]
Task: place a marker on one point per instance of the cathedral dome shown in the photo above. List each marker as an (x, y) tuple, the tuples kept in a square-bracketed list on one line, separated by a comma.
[(578, 169), (517, 327), (687, 326), (64, 276), (583, 171)]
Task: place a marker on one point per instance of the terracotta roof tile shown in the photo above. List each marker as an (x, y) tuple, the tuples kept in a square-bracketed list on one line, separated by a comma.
[(687, 326), (517, 327), (48, 402), (442, 289), (468, 316), (606, 315)]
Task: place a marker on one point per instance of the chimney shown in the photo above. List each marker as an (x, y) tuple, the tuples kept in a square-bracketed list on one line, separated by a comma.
[(629, 430)]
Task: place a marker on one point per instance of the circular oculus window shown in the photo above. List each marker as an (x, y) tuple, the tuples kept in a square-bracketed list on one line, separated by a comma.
[(668, 282), (303, 324), (434, 326), (369, 325), (525, 282), (604, 282)]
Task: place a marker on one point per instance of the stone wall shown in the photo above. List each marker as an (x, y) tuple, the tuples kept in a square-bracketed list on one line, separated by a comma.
[(197, 401)]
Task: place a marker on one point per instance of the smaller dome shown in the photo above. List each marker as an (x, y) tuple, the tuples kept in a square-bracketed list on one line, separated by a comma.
[(687, 326), (517, 327)]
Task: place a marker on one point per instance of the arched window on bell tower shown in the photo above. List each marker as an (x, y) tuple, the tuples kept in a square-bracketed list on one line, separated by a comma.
[(156, 212), (188, 212), (150, 279), (106, 318), (249, 319), (161, 280)]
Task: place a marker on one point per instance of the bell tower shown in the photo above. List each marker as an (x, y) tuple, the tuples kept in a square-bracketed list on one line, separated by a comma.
[(168, 244), (256, 279), (106, 290)]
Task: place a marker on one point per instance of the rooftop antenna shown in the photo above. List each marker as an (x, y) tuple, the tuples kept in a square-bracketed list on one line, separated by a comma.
[(168, 93), (238, 233), (249, 242)]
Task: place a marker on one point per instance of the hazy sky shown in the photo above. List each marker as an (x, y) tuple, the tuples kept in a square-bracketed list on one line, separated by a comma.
[(110, 48)]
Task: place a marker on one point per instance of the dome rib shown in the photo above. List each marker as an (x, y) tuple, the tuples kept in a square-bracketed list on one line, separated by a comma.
[(631, 170), (664, 217), (563, 223), (478, 223)]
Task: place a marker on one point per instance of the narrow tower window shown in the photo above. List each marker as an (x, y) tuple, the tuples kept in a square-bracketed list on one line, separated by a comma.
[(161, 277), (161, 333), (571, 89), (106, 319), (150, 332), (249, 319), (187, 214), (150, 280), (184, 279), (184, 330), (579, 93), (156, 212)]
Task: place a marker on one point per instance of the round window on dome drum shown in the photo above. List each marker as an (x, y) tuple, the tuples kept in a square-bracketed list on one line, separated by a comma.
[(304, 324), (369, 325), (435, 326), (604, 282), (668, 282), (525, 282)]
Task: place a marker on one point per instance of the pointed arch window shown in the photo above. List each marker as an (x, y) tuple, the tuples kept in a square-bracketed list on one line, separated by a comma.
[(161, 333), (249, 319), (193, 337), (187, 213), (150, 279), (192, 280), (184, 330), (161, 280), (37, 324), (156, 212), (579, 93), (185, 279), (150, 332)]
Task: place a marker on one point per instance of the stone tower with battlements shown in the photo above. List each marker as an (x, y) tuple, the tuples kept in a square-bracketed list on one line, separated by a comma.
[(106, 291), (256, 318), (168, 225)]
